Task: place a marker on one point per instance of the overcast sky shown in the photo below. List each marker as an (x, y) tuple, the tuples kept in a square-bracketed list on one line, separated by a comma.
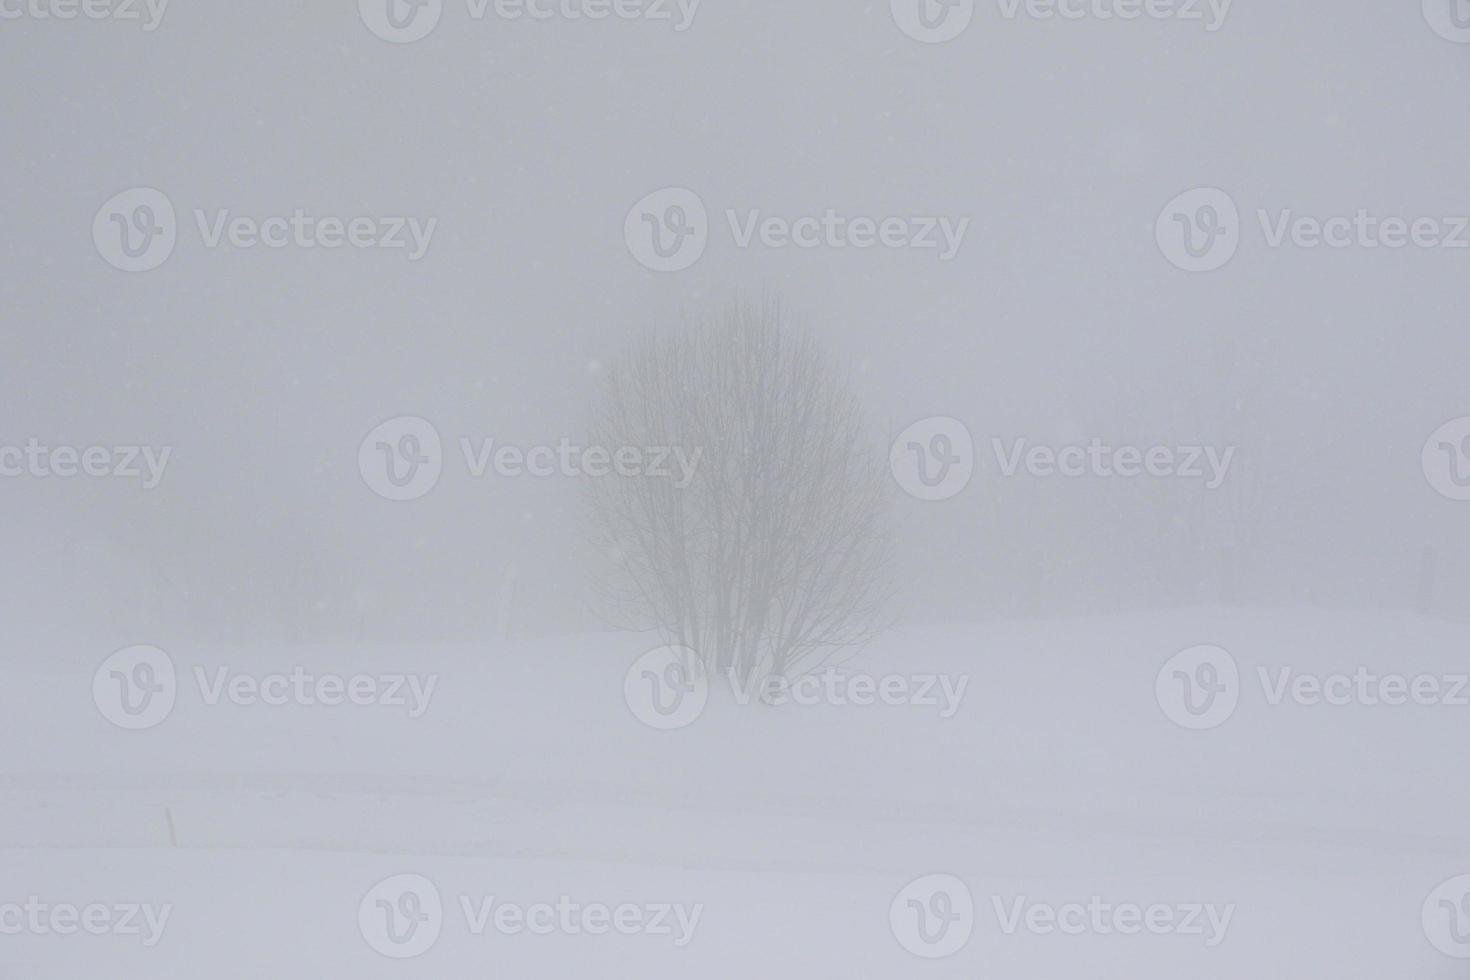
[(528, 142)]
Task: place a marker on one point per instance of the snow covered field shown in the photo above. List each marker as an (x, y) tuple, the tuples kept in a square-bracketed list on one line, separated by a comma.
[(1060, 793), (365, 364)]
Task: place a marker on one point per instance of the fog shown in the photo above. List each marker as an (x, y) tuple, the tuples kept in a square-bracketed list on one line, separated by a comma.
[(785, 464), (1056, 321)]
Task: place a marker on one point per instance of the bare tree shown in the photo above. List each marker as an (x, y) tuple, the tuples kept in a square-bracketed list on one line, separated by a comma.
[(774, 555)]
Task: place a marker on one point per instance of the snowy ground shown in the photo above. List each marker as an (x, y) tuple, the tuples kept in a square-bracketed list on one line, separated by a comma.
[(1323, 829)]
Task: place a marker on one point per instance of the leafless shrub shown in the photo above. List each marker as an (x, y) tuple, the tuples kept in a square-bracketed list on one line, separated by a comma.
[(774, 556)]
